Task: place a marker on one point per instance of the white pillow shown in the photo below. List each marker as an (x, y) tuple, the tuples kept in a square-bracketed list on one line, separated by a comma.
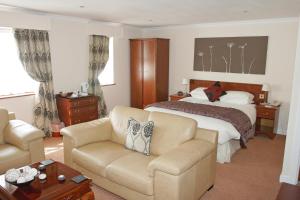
[(237, 97), (139, 136), (199, 93)]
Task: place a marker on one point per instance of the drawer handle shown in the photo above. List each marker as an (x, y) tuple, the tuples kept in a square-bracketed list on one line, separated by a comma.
[(74, 111)]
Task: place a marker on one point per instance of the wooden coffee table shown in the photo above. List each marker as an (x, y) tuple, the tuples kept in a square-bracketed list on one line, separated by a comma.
[(51, 188)]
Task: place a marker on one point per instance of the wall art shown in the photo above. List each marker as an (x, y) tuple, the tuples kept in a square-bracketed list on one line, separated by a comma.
[(246, 55)]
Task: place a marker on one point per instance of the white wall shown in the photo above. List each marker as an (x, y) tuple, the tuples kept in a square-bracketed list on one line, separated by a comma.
[(22, 106), (69, 51), (291, 161), (280, 59), (69, 45)]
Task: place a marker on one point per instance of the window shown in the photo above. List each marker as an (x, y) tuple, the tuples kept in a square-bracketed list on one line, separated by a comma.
[(107, 76), (13, 78)]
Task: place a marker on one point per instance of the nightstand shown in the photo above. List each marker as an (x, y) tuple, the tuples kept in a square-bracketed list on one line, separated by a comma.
[(267, 120), (176, 97)]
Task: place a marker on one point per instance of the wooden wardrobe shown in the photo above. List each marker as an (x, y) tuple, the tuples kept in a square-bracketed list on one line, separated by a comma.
[(149, 60)]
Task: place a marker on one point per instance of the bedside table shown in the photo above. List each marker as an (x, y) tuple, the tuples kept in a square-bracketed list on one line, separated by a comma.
[(266, 120), (175, 97)]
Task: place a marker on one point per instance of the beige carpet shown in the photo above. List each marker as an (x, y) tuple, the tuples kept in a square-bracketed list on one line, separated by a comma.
[(253, 173)]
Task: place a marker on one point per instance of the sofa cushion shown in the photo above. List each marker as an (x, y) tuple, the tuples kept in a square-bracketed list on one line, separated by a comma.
[(131, 172), (180, 159), (12, 157), (20, 133), (119, 119), (4, 117), (96, 156), (139, 136), (170, 131)]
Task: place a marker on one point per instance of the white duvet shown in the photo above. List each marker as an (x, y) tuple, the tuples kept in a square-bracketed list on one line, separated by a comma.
[(226, 130)]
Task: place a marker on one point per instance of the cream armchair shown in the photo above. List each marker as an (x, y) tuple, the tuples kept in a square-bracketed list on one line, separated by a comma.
[(181, 165), (20, 143)]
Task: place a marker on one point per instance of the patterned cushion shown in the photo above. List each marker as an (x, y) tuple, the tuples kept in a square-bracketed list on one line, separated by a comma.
[(214, 92), (139, 136)]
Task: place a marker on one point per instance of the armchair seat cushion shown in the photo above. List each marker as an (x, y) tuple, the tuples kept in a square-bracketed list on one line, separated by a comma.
[(131, 172), (97, 156), (11, 156)]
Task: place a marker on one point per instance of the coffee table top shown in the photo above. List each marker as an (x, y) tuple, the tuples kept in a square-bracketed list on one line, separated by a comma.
[(51, 188)]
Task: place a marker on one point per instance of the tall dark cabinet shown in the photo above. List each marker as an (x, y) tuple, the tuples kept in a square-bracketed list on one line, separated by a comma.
[(149, 60)]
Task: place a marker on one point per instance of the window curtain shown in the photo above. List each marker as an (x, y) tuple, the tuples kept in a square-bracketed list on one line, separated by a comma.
[(98, 57), (34, 53)]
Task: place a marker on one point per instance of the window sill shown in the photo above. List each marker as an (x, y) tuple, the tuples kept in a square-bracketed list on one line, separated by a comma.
[(17, 95), (108, 85)]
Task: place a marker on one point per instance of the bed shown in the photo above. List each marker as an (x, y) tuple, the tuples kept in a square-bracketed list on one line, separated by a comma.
[(229, 140)]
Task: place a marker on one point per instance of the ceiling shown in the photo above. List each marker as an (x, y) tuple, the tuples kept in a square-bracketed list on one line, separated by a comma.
[(149, 13)]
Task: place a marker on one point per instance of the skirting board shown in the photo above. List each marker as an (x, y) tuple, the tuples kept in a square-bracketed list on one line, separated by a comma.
[(288, 179)]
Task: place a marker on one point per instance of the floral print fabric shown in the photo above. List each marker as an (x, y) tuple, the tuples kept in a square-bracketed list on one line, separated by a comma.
[(34, 53), (98, 57)]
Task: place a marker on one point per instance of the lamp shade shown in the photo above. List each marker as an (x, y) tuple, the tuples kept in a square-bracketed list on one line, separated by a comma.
[(185, 81), (266, 87)]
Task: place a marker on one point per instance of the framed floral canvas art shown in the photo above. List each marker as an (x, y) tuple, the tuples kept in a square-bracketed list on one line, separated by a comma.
[(246, 55)]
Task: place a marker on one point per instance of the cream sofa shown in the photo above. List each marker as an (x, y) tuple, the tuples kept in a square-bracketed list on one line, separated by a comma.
[(20, 143), (182, 163)]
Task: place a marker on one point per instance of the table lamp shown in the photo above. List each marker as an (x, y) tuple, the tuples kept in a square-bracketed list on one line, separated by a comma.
[(185, 82), (266, 88)]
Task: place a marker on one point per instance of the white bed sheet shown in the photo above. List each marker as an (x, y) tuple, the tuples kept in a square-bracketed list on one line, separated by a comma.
[(226, 150), (226, 130)]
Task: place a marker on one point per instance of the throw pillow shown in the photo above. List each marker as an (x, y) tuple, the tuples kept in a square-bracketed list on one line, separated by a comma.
[(214, 92), (139, 136)]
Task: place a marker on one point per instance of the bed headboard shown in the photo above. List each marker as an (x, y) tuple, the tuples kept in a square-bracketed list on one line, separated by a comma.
[(255, 89)]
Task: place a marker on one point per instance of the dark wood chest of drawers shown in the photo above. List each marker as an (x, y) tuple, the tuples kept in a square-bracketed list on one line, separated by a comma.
[(77, 110)]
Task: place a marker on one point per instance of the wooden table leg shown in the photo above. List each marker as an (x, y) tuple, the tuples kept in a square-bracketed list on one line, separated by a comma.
[(88, 196)]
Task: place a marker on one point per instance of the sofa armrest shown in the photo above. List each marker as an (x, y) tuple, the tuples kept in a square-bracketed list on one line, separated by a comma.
[(11, 115), (207, 135), (21, 134), (88, 132), (182, 158)]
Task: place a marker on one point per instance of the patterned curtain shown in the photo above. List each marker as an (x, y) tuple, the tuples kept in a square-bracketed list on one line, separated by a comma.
[(34, 53), (98, 57)]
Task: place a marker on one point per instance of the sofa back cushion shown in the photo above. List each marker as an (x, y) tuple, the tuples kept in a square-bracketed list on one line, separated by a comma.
[(170, 131), (3, 122), (119, 117)]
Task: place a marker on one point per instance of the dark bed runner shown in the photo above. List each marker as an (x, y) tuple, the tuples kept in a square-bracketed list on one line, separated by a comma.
[(234, 116)]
